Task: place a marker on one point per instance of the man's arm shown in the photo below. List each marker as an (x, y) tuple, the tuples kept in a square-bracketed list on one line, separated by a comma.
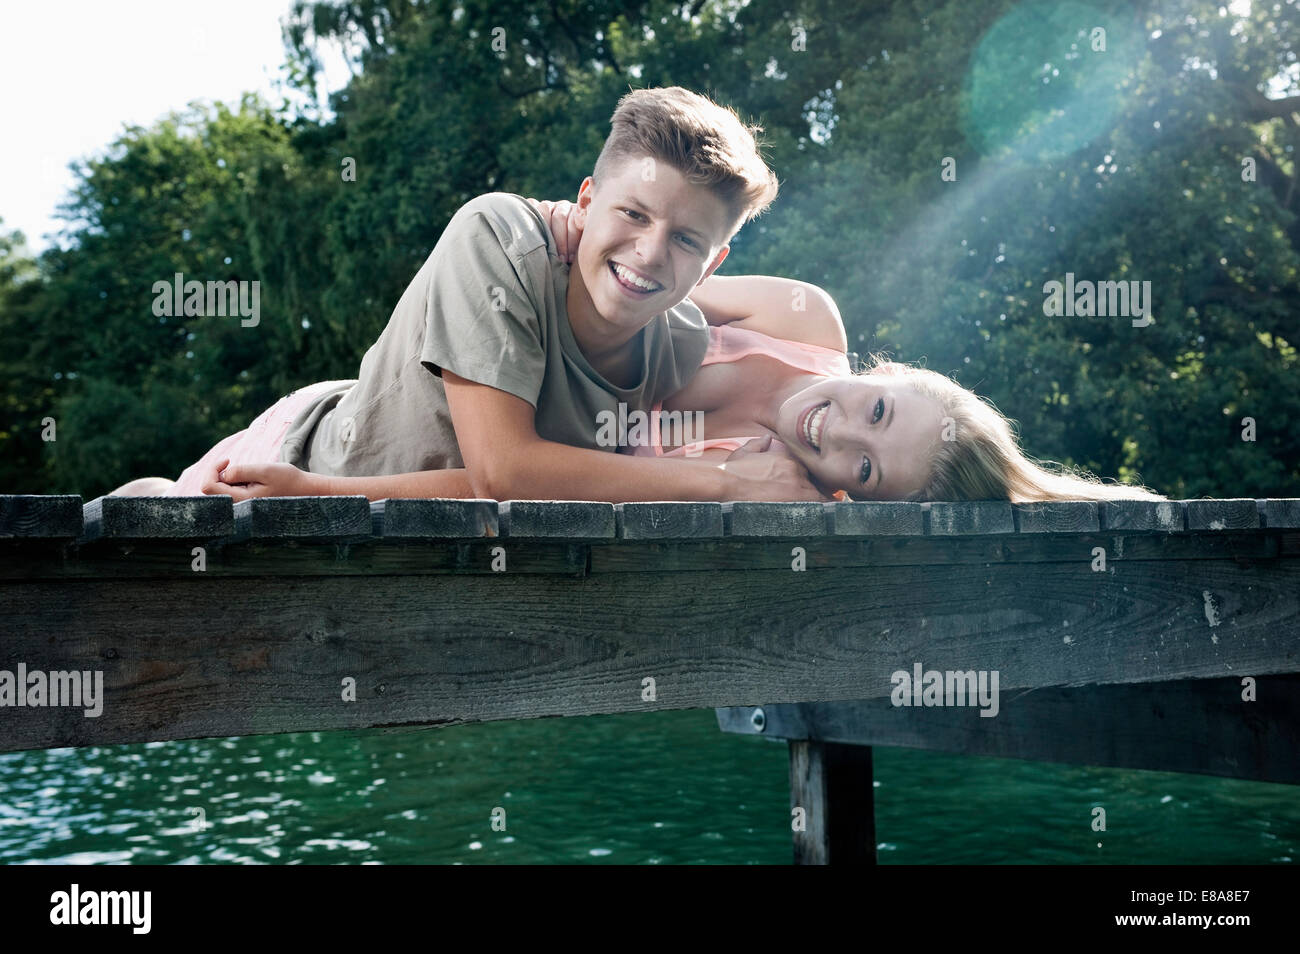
[(505, 459), (556, 472), (778, 307), (428, 483)]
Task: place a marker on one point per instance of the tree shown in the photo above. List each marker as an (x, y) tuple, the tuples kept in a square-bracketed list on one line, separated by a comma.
[(941, 162)]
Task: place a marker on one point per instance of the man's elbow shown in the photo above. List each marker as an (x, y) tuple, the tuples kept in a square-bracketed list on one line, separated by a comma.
[(488, 485), (501, 479)]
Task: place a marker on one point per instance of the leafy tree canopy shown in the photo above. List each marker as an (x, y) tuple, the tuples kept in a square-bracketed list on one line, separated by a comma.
[(941, 162)]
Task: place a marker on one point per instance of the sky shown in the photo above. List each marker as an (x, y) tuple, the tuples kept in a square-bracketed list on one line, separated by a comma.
[(74, 72)]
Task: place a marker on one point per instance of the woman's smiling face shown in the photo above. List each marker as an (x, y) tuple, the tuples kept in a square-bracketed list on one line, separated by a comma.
[(870, 435)]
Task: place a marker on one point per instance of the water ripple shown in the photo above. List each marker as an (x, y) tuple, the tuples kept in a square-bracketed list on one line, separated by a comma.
[(646, 788)]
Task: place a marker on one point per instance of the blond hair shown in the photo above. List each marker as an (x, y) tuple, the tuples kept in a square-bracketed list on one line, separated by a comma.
[(983, 461), (707, 143)]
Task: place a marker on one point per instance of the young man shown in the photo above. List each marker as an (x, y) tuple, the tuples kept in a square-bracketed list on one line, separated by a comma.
[(495, 368)]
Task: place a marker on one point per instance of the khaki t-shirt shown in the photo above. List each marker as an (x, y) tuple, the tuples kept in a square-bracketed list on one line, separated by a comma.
[(488, 305)]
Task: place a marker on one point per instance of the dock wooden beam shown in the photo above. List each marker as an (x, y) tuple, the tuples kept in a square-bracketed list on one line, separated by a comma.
[(1122, 633)]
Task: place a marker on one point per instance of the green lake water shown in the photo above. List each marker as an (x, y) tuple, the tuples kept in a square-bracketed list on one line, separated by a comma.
[(641, 788)]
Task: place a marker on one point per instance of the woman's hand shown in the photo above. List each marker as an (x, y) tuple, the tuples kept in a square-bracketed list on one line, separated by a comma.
[(566, 225), (242, 481), (759, 473)]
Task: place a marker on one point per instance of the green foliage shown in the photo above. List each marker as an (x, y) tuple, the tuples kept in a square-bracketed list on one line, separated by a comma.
[(1122, 164)]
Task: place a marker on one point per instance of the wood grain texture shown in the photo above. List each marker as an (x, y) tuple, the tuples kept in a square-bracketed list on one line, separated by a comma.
[(399, 517), (668, 521), (834, 552), (747, 518), (187, 657), (1233, 514), (808, 791), (872, 519), (33, 516), (570, 519), (152, 559), (1167, 515), (175, 518), (330, 519), (1062, 516), (1280, 513), (108, 558), (969, 517), (337, 518)]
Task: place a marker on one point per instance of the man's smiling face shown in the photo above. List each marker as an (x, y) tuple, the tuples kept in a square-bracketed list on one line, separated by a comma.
[(646, 242)]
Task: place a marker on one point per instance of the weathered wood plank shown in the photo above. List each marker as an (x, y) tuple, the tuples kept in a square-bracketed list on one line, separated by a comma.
[(752, 518), (1062, 516), (403, 557), (399, 517), (40, 516), (232, 558), (832, 786), (877, 518), (668, 520), (1167, 515), (174, 518), (1233, 514), (834, 553), (1200, 726), (969, 517), (1280, 512), (56, 559), (508, 646), (568, 519), (328, 519)]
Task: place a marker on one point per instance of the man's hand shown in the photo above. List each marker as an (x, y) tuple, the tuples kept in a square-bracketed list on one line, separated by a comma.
[(762, 474), (565, 224), (242, 481)]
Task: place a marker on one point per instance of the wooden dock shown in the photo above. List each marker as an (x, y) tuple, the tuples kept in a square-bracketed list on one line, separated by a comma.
[(1138, 634)]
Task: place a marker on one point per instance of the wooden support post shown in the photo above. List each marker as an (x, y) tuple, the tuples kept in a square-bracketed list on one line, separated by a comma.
[(831, 782)]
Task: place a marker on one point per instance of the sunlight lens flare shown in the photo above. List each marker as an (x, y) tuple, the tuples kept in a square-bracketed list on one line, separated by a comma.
[(1048, 78)]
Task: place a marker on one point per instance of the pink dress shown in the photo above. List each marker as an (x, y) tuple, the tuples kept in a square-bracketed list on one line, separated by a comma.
[(259, 443), (727, 344)]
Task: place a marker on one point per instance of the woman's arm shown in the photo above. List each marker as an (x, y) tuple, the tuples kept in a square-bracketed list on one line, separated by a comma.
[(777, 307)]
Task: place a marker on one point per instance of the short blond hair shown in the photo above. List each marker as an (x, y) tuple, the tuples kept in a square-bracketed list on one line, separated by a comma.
[(705, 142)]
